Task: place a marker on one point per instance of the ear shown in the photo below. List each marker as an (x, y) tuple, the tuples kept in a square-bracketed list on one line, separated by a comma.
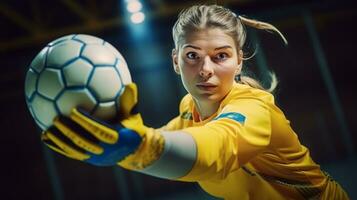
[(174, 56), (240, 62)]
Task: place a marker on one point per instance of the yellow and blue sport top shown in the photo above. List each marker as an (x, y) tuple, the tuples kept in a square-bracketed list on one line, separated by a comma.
[(246, 150)]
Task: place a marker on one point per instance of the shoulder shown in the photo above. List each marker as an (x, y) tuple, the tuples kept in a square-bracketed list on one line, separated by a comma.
[(244, 93), (186, 106), (248, 102), (186, 101), (252, 103)]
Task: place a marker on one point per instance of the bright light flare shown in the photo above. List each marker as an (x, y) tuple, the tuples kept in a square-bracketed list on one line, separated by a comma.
[(137, 17), (134, 6)]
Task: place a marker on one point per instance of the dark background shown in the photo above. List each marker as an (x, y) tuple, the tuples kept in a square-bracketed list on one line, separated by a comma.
[(316, 91)]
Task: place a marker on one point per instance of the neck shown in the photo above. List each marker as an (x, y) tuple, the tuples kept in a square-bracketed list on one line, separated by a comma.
[(206, 109)]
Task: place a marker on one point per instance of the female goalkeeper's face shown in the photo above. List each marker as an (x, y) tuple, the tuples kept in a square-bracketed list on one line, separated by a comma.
[(208, 62)]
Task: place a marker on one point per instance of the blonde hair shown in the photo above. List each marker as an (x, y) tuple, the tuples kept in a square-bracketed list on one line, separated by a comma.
[(200, 17)]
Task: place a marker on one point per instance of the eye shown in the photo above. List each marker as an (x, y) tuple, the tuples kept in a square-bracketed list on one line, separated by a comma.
[(221, 56), (192, 55)]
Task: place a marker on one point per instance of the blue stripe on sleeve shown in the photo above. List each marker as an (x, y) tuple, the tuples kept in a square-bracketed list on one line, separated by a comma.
[(232, 115)]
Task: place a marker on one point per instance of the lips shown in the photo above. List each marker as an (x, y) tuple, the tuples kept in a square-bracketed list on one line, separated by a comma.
[(206, 86)]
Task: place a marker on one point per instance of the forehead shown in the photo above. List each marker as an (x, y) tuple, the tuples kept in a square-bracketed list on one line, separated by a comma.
[(207, 38)]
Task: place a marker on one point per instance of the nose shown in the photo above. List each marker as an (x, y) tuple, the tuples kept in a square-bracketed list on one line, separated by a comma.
[(207, 68)]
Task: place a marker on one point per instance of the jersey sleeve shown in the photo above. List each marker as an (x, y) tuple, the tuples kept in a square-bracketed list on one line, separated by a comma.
[(236, 135), (177, 150), (211, 151)]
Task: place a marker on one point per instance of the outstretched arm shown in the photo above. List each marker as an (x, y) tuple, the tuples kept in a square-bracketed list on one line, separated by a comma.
[(209, 151), (240, 132)]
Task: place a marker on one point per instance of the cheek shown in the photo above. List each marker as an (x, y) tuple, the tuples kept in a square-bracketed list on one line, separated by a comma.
[(227, 72), (188, 70), (187, 78)]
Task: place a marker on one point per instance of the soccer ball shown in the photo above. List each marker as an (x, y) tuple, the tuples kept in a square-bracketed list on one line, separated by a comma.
[(75, 71)]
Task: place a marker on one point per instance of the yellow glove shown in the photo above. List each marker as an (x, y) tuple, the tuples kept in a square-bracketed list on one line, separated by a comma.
[(88, 139)]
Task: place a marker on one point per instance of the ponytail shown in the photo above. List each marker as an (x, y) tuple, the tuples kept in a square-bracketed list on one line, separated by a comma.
[(247, 80), (262, 26), (270, 28)]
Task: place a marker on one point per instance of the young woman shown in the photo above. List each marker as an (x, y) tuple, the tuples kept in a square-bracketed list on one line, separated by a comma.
[(230, 137)]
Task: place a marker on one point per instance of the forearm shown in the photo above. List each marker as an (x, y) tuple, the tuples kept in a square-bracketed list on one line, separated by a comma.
[(190, 154), (164, 154)]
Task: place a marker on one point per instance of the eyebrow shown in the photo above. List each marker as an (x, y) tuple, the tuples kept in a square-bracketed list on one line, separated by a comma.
[(218, 48), (223, 47), (189, 45)]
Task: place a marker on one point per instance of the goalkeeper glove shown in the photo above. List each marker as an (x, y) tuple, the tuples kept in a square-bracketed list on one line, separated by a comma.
[(83, 137)]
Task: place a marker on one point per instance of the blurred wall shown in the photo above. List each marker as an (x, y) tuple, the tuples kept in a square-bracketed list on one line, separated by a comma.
[(316, 91)]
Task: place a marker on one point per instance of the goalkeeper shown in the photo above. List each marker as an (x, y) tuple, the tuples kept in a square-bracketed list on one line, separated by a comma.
[(229, 137)]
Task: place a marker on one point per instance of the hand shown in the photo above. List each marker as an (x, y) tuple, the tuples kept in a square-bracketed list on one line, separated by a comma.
[(88, 139)]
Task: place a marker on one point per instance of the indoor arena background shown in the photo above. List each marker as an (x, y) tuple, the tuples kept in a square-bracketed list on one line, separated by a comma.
[(317, 89)]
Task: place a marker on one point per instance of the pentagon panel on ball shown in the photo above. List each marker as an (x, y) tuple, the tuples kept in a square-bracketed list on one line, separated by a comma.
[(75, 71)]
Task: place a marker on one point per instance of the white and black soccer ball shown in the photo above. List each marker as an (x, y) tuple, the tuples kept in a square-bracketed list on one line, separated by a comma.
[(75, 71)]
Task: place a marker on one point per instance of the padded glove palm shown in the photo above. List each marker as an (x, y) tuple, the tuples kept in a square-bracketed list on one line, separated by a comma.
[(85, 138)]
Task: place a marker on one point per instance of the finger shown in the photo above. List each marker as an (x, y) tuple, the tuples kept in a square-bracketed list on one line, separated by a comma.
[(73, 152), (53, 146), (65, 126), (98, 129), (58, 150), (129, 100)]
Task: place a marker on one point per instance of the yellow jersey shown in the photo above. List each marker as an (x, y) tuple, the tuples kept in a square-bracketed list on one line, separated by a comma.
[(248, 150)]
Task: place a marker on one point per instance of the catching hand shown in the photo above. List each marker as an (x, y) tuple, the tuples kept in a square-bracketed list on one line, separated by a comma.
[(83, 137)]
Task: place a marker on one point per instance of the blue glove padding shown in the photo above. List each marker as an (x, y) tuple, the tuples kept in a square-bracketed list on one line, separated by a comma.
[(86, 138)]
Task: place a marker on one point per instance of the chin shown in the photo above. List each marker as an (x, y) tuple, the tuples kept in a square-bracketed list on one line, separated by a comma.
[(209, 97)]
